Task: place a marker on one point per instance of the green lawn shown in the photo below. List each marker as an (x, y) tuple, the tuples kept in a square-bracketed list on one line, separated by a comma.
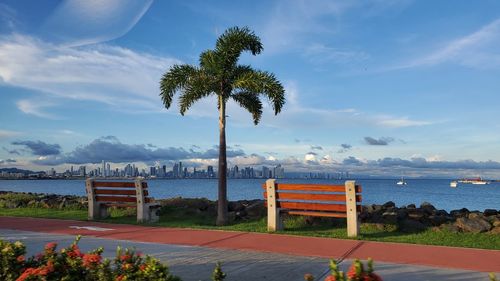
[(293, 226)]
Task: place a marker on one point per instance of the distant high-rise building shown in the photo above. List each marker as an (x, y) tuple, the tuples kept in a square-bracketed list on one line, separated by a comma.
[(210, 172), (265, 172), (176, 170), (279, 172), (103, 168), (181, 172)]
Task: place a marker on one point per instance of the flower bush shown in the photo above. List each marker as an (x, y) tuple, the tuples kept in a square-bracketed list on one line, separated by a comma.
[(72, 264), (356, 272)]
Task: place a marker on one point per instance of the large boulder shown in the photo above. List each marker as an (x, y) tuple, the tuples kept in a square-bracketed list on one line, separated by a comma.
[(416, 214), (495, 230), (490, 212), (464, 212), (256, 210), (390, 217), (476, 225), (389, 204), (428, 208)]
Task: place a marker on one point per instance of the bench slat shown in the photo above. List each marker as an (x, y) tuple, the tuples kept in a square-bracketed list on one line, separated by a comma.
[(318, 214), (117, 184), (120, 205), (115, 199), (118, 192), (312, 206), (312, 197), (312, 187)]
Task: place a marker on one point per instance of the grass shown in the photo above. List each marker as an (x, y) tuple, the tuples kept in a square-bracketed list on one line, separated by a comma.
[(293, 226)]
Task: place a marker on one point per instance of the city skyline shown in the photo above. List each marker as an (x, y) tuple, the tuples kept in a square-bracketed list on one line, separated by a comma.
[(381, 88)]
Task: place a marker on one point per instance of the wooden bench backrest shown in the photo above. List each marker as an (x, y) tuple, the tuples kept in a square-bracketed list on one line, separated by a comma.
[(122, 192), (329, 200)]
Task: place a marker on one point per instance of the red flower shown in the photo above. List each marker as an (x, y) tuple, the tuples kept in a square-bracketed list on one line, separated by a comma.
[(351, 274), (20, 258), (125, 257), (119, 277), (330, 278), (75, 252), (91, 260), (142, 267), (49, 247)]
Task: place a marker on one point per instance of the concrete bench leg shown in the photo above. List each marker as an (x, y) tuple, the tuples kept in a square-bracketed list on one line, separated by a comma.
[(274, 221), (352, 212)]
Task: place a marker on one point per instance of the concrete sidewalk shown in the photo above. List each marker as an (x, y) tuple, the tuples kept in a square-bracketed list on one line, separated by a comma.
[(193, 253)]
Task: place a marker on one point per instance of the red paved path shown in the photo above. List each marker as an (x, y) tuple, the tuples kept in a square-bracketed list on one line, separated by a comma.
[(447, 257)]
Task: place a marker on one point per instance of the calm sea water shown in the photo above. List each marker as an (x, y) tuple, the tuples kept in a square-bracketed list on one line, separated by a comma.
[(437, 192)]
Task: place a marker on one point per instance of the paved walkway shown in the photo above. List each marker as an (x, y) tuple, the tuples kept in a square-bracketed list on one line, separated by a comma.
[(267, 256)]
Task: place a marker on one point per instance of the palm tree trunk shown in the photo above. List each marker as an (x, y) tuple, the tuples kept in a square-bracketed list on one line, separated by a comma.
[(222, 218)]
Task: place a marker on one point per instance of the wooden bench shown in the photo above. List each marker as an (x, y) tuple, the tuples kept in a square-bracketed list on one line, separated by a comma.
[(126, 194), (318, 200)]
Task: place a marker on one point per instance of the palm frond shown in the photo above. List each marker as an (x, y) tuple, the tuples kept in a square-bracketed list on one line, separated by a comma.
[(173, 80), (236, 40), (199, 86), (265, 83), (251, 102)]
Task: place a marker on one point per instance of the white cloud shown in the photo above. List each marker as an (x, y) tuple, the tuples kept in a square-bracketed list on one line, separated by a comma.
[(291, 21), (478, 49), (35, 107), (8, 134), (321, 54), (117, 76)]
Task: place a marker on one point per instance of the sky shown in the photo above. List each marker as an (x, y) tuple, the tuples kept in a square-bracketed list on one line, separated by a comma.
[(380, 88)]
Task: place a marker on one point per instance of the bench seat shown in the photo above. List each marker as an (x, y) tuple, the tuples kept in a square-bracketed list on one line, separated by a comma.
[(123, 194), (316, 200)]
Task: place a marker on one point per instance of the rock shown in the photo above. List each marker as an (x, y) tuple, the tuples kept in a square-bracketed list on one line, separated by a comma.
[(437, 220), (402, 214), (441, 213), (416, 214), (476, 225), (495, 230), (256, 210), (450, 227), (495, 222), (390, 217), (460, 213), (373, 208), (490, 212), (428, 208), (476, 215), (231, 216), (236, 206), (411, 226), (389, 204)]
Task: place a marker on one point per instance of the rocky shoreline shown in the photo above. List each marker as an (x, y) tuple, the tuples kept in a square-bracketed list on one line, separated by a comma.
[(406, 218)]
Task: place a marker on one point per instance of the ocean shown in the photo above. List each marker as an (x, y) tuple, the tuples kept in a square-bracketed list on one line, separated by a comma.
[(437, 192)]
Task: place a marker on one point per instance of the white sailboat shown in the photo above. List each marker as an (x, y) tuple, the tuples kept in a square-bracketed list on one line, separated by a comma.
[(402, 182), (453, 184)]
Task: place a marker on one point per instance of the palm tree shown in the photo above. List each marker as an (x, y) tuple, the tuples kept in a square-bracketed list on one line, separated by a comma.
[(220, 74)]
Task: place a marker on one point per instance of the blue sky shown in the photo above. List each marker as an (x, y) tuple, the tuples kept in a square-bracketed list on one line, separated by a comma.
[(373, 87)]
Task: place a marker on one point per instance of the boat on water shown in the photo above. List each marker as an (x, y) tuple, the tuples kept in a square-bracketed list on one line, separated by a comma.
[(477, 181), (453, 184), (402, 182)]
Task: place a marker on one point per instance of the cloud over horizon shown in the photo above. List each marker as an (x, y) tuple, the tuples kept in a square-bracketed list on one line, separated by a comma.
[(111, 149), (38, 148), (379, 141)]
